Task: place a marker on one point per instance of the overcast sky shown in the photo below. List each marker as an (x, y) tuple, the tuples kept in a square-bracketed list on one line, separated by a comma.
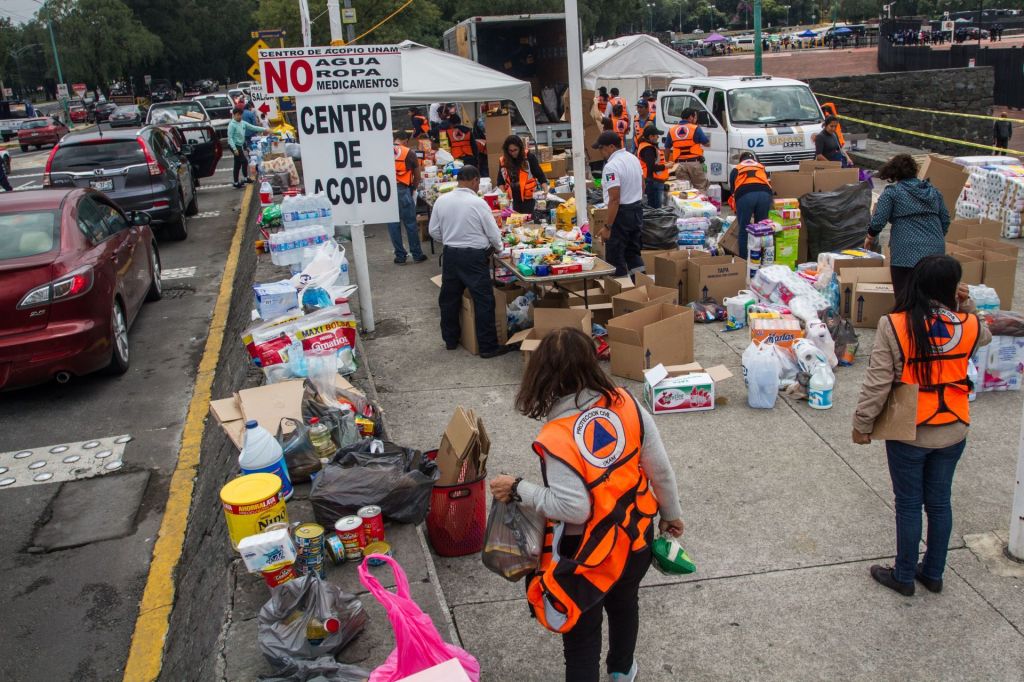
[(19, 11)]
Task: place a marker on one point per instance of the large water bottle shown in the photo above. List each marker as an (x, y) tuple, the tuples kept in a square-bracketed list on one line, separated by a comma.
[(262, 454)]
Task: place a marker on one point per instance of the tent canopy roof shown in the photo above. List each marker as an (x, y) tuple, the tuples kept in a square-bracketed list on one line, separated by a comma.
[(430, 75), (635, 57)]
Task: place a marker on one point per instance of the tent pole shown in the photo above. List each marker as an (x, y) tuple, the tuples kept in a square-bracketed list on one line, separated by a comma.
[(579, 158)]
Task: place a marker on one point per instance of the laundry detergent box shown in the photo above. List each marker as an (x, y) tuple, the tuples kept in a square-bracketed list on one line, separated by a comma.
[(682, 388)]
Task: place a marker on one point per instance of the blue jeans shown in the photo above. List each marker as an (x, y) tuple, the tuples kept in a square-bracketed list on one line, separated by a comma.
[(655, 192), (922, 477), (752, 207), (406, 217)]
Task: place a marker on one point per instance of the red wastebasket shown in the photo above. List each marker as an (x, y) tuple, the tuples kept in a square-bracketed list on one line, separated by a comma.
[(457, 517)]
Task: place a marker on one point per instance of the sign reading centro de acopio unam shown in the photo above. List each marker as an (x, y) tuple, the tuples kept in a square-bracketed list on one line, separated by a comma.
[(298, 71)]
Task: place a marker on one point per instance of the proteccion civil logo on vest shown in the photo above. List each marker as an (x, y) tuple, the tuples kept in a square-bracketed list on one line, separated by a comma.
[(946, 331), (599, 437)]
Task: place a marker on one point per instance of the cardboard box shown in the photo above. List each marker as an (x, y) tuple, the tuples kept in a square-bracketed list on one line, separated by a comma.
[(600, 308), (840, 265), (947, 177), (616, 285), (423, 223), (670, 269), (682, 388), (962, 228), (546, 320), (730, 240), (650, 254), (644, 338), (467, 316), (496, 129), (1000, 266), (717, 277), (598, 219), (848, 281), (465, 446), (228, 414), (642, 297), (559, 166), (273, 402), (812, 165), (973, 268), (791, 184), (544, 153), (871, 301), (830, 180), (449, 671)]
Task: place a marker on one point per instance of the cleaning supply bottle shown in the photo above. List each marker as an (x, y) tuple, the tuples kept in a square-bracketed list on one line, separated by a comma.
[(262, 454), (819, 389)]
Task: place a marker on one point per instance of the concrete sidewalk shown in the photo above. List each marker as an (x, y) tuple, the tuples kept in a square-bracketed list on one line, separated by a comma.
[(784, 515)]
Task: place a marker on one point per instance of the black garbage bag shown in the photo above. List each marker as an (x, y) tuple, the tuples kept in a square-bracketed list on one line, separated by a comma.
[(659, 230), (307, 618), (836, 220), (396, 479)]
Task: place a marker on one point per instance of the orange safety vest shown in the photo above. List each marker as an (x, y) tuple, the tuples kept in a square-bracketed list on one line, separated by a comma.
[(420, 125), (617, 100), (683, 146), (661, 175), (602, 103), (402, 172), (830, 109), (748, 173), (602, 445), (638, 128), (527, 183), (621, 126), (955, 336), (460, 142)]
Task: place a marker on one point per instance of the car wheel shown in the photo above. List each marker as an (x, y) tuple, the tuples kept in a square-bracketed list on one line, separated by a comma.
[(156, 285), (177, 230), (24, 148), (119, 353)]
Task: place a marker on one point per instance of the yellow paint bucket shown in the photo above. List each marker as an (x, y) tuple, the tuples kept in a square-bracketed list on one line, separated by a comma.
[(251, 504)]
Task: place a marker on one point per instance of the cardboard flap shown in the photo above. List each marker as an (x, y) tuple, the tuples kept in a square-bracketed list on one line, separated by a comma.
[(719, 373), (436, 279), (616, 285), (874, 288), (226, 409), (461, 431), (898, 420), (815, 165), (548, 319), (520, 337), (271, 403), (656, 374), (644, 280), (622, 332)]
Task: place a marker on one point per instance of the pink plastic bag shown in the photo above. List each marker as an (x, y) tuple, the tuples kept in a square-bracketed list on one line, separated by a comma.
[(418, 644)]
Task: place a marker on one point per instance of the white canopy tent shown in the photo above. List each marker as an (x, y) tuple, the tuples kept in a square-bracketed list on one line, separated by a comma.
[(627, 62), (430, 75)]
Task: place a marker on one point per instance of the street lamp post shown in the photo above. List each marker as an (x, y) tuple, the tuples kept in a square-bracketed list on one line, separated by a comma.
[(757, 37), (650, 12)]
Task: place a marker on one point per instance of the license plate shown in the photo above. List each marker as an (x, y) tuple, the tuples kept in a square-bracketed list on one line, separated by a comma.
[(102, 185)]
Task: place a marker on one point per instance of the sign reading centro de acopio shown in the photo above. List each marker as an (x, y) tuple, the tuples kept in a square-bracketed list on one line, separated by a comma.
[(350, 69)]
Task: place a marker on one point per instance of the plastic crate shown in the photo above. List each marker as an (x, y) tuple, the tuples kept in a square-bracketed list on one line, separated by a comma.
[(457, 517)]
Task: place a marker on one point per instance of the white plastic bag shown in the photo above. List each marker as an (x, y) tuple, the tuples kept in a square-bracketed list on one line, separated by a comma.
[(817, 333), (324, 270), (761, 374), (442, 157)]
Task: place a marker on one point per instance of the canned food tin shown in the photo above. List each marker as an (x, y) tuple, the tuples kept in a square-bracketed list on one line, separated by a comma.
[(335, 550), (279, 574), (377, 548), (373, 523), (309, 538), (252, 503), (350, 531)]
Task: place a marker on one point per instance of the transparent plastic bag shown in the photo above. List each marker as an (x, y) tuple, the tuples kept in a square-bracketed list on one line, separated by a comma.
[(513, 541), (299, 453), (761, 372)]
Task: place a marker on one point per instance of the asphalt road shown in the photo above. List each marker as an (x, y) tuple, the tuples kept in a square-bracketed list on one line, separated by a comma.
[(69, 614)]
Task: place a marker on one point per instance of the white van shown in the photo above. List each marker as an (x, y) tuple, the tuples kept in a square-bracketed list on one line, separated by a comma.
[(773, 117)]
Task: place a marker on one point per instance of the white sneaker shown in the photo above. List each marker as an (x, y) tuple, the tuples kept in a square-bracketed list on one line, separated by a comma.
[(624, 677)]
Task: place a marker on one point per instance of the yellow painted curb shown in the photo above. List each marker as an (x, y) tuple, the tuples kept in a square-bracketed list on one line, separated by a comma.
[(147, 649)]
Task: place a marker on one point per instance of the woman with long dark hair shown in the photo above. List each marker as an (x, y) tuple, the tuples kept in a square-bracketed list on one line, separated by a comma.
[(927, 340), (606, 476), (520, 172), (918, 216)]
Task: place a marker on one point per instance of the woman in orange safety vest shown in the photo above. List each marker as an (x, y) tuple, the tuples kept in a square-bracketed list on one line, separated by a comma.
[(652, 165), (520, 173), (607, 476), (751, 195), (926, 341)]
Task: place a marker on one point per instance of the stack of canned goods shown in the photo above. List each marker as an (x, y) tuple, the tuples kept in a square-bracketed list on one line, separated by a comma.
[(309, 541), (362, 534)]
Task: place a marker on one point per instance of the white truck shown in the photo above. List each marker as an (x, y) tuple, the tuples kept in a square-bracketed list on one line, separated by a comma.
[(776, 118)]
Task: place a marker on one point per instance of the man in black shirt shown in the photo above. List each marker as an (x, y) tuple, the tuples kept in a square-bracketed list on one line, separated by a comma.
[(1002, 130)]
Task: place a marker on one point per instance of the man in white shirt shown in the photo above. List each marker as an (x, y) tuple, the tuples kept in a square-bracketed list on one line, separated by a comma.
[(464, 225), (622, 182)]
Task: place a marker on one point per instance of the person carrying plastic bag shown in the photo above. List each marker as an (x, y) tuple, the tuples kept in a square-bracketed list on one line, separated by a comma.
[(603, 461)]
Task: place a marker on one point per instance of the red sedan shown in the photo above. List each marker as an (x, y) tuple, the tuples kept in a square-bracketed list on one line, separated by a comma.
[(74, 273), (78, 113), (40, 131)]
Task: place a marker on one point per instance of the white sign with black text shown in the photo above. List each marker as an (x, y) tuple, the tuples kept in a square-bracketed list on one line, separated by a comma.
[(266, 106), (348, 154), (345, 69)]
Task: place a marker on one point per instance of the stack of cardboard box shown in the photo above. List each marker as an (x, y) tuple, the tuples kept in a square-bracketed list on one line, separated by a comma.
[(464, 449), (496, 129), (503, 296)]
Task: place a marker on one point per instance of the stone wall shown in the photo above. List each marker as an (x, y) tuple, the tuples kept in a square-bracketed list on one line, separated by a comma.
[(955, 90)]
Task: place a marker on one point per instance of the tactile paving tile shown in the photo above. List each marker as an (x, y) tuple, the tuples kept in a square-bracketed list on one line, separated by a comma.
[(62, 462)]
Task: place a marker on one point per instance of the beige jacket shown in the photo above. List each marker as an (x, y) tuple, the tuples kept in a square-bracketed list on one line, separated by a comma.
[(886, 367)]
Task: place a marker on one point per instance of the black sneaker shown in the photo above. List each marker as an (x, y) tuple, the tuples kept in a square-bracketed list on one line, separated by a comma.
[(930, 584), (420, 258), (451, 346), (500, 350), (884, 575), (237, 185), (399, 261), (248, 181)]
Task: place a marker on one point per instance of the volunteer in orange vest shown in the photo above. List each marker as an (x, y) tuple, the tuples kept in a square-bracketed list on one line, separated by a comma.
[(686, 141), (829, 109), (926, 341), (461, 140), (606, 476), (751, 195), (652, 163), (641, 119), (602, 100), (520, 174), (407, 173), (615, 98), (619, 122), (420, 123), (652, 100)]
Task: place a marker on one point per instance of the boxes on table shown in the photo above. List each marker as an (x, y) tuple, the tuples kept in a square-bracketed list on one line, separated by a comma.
[(643, 338), (682, 388)]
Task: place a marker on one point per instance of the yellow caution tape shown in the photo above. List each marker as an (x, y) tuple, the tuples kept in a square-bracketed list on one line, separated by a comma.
[(925, 111), (926, 135)]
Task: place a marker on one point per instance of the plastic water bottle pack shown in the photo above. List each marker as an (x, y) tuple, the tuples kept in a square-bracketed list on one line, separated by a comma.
[(304, 210)]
